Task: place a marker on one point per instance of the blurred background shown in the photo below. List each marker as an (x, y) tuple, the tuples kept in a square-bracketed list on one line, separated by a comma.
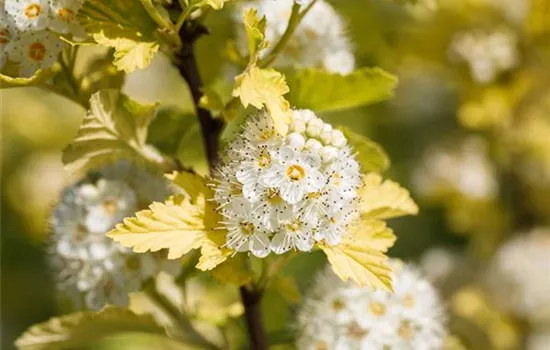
[(468, 132)]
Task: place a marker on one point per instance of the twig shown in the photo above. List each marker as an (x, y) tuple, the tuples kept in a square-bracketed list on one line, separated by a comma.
[(252, 309)]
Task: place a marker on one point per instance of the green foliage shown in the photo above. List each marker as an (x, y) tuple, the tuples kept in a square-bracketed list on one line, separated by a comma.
[(371, 156), (323, 91), (114, 127), (125, 26), (83, 328)]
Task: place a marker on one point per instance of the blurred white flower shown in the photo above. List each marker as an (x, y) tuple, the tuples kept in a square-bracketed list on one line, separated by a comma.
[(287, 192), (464, 169), (90, 268), (34, 51), (63, 14), (488, 53), (339, 315), (8, 33), (28, 15), (519, 276), (319, 41)]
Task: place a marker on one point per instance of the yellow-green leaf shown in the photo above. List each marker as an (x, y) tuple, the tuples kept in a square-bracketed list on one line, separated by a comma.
[(130, 54), (360, 256), (265, 88), (194, 185), (124, 25), (286, 287), (371, 156), (384, 200), (212, 252), (114, 127), (80, 329), (177, 225), (319, 90), (255, 32)]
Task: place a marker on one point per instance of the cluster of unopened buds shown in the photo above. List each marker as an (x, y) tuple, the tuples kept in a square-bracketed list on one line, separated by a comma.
[(30, 29), (278, 193)]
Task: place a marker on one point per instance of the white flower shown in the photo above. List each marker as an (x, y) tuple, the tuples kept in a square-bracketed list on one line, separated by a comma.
[(319, 41), (295, 175), (293, 190), (487, 53), (256, 161), (244, 232), (63, 13), (293, 234), (92, 270), (34, 51), (339, 315), (8, 34), (519, 276), (28, 15), (465, 169)]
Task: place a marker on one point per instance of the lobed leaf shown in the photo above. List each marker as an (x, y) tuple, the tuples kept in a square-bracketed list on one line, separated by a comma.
[(360, 256), (177, 225), (265, 87), (125, 26), (384, 200), (319, 90), (114, 127), (80, 329)]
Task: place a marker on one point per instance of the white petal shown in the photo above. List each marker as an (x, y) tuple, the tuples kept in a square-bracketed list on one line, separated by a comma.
[(280, 243), (259, 245)]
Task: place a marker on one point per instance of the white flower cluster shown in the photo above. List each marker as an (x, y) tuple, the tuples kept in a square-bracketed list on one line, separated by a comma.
[(465, 169), (280, 193), (488, 53), (91, 269), (519, 276), (337, 315), (29, 31), (319, 41)]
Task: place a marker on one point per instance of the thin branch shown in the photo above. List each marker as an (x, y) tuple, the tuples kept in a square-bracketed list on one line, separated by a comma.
[(187, 65), (293, 22), (253, 313)]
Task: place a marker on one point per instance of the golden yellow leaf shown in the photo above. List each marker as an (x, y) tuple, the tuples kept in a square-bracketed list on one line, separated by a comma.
[(383, 200), (194, 185), (265, 88), (360, 256), (255, 32), (129, 54), (177, 225), (212, 253), (79, 330)]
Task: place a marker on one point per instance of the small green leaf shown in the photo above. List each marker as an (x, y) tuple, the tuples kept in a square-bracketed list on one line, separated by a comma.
[(114, 127), (371, 156), (124, 25), (80, 329), (319, 90), (255, 31)]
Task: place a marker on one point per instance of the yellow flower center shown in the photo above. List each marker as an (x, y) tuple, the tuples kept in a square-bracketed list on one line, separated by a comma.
[(265, 159), (377, 309), (4, 36), (356, 331), (247, 227), (110, 206), (336, 179), (273, 196), (33, 10), (321, 345), (266, 134), (66, 15), (406, 330), (294, 226), (338, 304), (295, 172), (314, 195), (37, 51), (408, 301)]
